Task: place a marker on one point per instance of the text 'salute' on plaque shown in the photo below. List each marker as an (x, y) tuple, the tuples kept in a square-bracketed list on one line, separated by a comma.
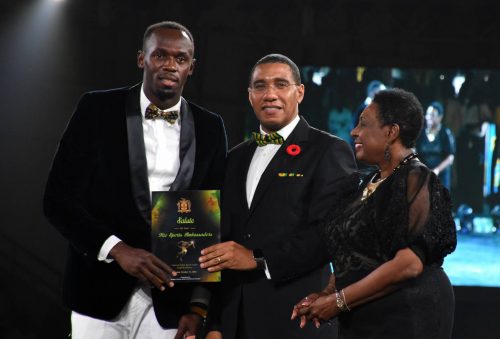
[(183, 223)]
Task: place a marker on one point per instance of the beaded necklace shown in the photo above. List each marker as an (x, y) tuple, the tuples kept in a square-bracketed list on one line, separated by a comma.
[(372, 186), (405, 160)]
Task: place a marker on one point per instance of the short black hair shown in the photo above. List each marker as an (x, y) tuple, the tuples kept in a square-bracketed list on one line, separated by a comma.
[(278, 59), (438, 107), (397, 106), (166, 24)]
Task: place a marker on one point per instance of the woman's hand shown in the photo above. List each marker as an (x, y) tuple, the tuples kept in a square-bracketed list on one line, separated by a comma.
[(303, 306), (323, 308)]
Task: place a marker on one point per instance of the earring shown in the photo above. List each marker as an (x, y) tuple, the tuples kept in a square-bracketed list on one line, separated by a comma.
[(387, 154)]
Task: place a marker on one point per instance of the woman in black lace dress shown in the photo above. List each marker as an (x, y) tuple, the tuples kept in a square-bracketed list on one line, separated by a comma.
[(388, 235)]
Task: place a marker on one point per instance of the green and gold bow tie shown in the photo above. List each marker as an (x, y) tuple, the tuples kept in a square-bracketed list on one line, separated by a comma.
[(271, 138), (153, 113)]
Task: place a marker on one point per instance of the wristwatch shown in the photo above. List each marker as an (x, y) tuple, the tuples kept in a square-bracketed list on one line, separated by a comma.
[(258, 256)]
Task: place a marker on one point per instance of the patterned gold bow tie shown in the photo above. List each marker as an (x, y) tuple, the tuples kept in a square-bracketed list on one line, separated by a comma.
[(265, 139), (153, 112)]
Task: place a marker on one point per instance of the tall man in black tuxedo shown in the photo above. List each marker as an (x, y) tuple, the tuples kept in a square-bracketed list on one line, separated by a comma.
[(274, 197), (98, 195)]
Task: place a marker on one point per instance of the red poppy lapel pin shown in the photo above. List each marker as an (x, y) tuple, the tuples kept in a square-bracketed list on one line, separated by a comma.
[(293, 150)]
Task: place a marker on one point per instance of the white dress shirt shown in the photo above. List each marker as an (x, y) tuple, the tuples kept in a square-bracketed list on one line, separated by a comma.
[(261, 159), (162, 143)]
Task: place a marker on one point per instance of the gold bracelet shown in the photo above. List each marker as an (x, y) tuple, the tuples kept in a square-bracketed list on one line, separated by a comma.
[(340, 303), (343, 298)]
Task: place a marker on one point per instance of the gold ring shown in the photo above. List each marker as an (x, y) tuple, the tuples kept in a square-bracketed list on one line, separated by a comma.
[(218, 260)]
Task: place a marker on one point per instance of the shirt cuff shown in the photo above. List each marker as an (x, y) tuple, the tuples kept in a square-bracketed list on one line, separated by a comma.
[(106, 248), (266, 270)]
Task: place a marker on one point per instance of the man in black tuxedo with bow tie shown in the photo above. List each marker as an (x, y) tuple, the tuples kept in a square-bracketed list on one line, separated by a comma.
[(277, 189), (119, 146)]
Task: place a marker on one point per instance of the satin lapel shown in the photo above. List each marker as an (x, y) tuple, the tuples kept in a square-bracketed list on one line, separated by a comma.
[(298, 136), (137, 154), (187, 149)]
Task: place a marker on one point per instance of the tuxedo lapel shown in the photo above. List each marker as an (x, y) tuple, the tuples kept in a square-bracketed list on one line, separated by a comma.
[(298, 136), (187, 149), (137, 154)]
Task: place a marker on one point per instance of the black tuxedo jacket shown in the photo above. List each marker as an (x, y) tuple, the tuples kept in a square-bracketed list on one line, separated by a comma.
[(98, 187), (291, 199)]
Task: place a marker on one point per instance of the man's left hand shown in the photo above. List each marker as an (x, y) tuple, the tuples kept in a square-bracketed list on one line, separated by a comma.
[(227, 255), (188, 326)]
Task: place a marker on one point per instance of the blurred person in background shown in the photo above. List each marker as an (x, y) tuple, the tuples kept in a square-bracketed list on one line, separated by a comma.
[(436, 145)]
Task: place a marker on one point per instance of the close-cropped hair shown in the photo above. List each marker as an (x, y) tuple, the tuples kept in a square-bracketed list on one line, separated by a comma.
[(397, 106), (166, 24), (278, 59)]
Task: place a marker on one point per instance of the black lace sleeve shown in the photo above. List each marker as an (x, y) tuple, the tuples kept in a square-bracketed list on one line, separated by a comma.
[(425, 224), (348, 188)]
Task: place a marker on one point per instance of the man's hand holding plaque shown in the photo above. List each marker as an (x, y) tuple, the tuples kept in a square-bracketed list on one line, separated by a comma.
[(184, 222)]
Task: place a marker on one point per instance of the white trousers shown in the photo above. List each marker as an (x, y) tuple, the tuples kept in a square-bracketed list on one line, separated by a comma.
[(137, 320)]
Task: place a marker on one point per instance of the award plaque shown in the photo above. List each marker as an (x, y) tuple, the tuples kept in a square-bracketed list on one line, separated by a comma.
[(183, 223)]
